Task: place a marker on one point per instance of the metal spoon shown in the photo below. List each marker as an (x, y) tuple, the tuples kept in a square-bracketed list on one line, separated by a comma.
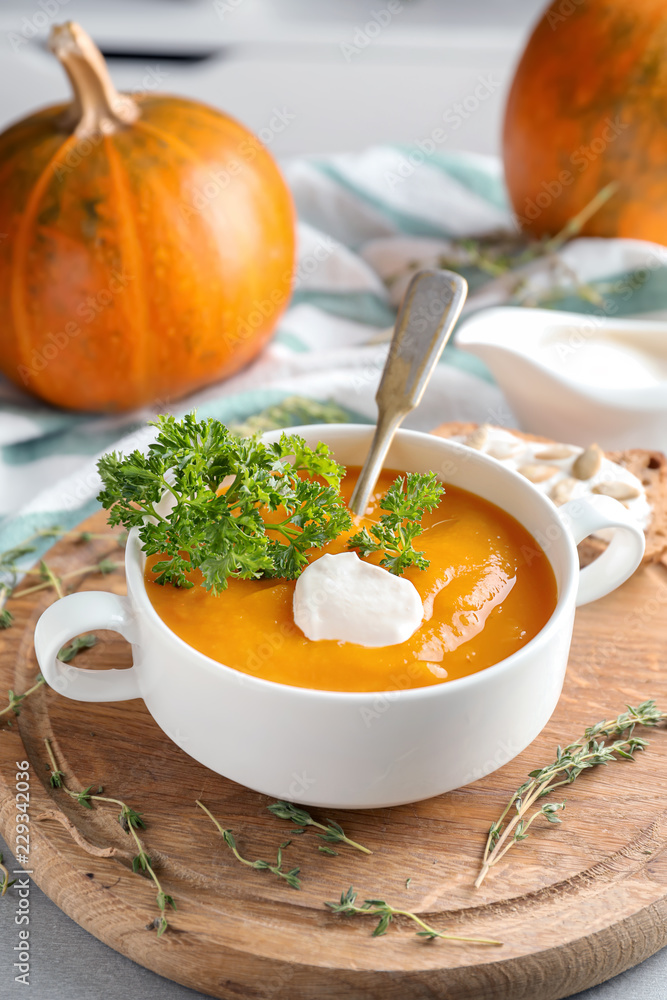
[(429, 311)]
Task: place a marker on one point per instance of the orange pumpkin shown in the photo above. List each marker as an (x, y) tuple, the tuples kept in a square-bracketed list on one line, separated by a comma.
[(587, 107), (148, 243)]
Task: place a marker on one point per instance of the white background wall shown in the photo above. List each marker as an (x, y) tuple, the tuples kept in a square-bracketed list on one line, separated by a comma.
[(341, 83)]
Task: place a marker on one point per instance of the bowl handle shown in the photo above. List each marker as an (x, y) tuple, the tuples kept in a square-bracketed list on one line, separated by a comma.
[(70, 616), (621, 557)]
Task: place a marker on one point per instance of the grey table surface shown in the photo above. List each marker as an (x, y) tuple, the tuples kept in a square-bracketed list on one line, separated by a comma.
[(68, 963)]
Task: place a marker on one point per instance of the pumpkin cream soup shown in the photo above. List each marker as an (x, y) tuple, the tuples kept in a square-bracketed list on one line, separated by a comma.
[(488, 590)]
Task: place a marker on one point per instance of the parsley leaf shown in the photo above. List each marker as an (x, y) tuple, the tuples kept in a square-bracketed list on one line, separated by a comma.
[(405, 502), (223, 533)]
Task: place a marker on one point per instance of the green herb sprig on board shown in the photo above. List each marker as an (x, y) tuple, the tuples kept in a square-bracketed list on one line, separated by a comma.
[(589, 751), (291, 876), (222, 532), (347, 905), (11, 568), (130, 820), (15, 701), (76, 646), (405, 502), (333, 832)]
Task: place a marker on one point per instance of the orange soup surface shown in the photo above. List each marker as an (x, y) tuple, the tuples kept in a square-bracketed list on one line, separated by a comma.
[(488, 590)]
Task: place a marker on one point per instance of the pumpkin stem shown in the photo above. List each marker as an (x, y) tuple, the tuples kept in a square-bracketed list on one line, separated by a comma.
[(97, 105)]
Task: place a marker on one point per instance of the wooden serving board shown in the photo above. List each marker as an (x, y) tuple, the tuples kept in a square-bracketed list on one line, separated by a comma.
[(575, 904)]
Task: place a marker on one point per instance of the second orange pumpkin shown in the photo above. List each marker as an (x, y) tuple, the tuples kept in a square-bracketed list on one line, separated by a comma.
[(587, 107)]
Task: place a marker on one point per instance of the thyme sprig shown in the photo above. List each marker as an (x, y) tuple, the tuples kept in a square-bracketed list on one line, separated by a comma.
[(5, 884), (11, 570), (291, 877), (16, 700), (130, 821), (333, 832), (76, 646), (50, 578), (586, 752), (404, 503), (387, 914), (103, 566), (501, 253), (9, 574), (66, 654)]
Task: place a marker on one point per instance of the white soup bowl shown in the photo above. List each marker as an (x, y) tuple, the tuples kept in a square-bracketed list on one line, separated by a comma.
[(351, 749)]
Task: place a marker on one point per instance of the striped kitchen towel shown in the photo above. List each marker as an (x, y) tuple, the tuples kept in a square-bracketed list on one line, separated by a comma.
[(366, 222)]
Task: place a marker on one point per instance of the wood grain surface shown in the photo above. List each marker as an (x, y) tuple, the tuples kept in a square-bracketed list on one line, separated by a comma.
[(574, 905)]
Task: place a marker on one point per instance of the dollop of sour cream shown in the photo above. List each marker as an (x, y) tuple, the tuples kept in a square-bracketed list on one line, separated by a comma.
[(344, 598)]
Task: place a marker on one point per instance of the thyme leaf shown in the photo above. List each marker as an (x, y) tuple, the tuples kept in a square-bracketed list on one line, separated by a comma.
[(77, 645)]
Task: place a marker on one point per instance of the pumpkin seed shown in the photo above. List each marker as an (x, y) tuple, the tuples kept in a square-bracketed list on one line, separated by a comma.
[(587, 463), (477, 438), (618, 490), (562, 491), (538, 473), (554, 454), (503, 449)]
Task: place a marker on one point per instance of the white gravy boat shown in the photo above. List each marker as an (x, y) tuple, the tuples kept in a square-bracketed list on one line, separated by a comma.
[(577, 378)]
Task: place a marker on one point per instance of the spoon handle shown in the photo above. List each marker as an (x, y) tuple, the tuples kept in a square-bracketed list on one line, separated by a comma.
[(430, 308)]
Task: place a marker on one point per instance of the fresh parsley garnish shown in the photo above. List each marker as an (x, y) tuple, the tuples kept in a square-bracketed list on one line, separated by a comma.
[(405, 502), (222, 531)]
